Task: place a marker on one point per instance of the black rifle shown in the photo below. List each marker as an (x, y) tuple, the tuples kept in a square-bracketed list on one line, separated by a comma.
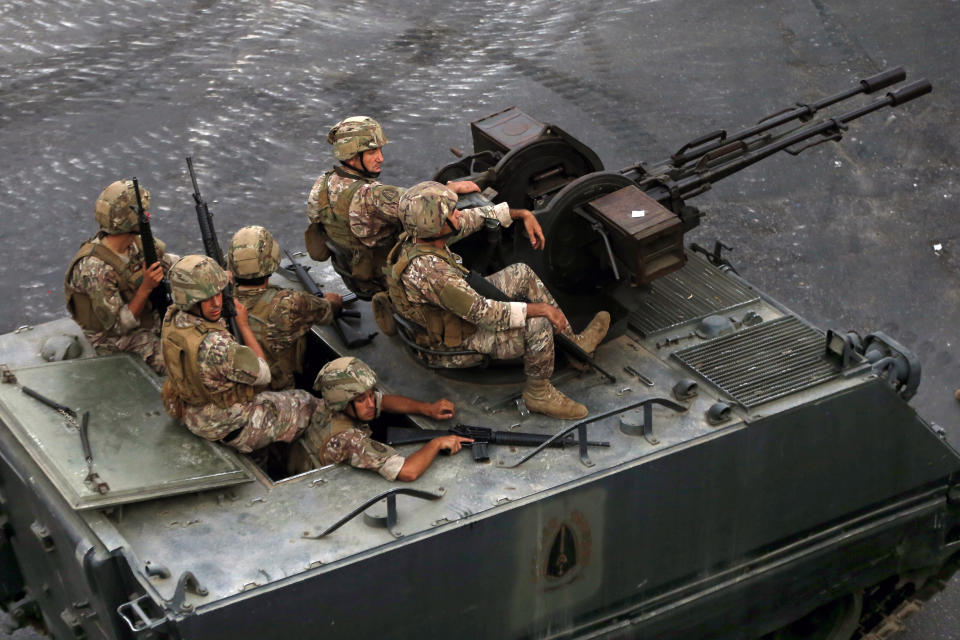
[(211, 246), (160, 295), (342, 329), (488, 290), (482, 438)]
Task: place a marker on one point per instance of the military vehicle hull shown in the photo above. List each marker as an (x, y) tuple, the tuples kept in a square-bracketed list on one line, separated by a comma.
[(763, 479)]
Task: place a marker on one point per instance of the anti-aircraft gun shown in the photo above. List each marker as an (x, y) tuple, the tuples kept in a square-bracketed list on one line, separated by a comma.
[(628, 226)]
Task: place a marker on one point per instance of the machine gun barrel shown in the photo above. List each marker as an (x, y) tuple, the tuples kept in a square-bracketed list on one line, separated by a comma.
[(211, 246), (803, 112), (160, 297), (738, 156), (308, 283)]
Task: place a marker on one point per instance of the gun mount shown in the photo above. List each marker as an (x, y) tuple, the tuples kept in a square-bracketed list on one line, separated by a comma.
[(628, 226)]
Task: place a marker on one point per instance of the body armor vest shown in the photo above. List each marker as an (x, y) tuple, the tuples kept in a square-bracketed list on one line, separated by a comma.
[(78, 302), (285, 362), (443, 329), (183, 385)]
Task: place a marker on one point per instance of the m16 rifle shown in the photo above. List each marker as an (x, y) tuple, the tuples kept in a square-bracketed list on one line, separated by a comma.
[(482, 438), (345, 332), (160, 297), (211, 246)]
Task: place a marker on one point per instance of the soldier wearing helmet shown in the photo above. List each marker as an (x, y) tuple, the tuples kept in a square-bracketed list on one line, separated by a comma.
[(352, 399), (351, 210), (107, 286), (280, 317), (215, 385), (428, 286)]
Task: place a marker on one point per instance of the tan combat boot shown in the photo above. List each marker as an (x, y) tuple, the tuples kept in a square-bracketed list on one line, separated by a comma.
[(593, 335), (542, 397), (383, 313)]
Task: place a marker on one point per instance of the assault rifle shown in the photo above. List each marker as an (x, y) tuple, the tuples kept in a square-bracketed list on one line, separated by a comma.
[(342, 329), (488, 290), (211, 246), (160, 295), (482, 437)]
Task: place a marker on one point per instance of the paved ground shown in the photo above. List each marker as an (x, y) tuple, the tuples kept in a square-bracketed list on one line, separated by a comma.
[(92, 90)]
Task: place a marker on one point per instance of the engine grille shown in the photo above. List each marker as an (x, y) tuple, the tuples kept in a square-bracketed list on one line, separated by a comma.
[(764, 362), (697, 290)]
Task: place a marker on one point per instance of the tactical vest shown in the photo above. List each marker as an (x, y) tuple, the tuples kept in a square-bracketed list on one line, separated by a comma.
[(444, 329), (183, 385), (78, 302), (366, 262), (285, 362), (337, 424)]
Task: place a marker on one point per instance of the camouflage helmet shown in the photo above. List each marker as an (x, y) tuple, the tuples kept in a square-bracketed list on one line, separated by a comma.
[(116, 207), (253, 253), (193, 279), (342, 380), (425, 207), (355, 135)]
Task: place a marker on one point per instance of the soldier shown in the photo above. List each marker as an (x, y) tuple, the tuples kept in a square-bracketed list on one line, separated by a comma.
[(107, 286), (349, 207), (350, 394), (281, 317), (214, 384), (428, 286)]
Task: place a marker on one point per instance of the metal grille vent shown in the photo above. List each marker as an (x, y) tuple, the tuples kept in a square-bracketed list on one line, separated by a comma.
[(696, 291), (764, 362)]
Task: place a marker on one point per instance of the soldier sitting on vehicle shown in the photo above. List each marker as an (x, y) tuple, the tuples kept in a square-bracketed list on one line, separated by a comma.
[(353, 211), (281, 317), (215, 384), (353, 400), (428, 286), (107, 286)]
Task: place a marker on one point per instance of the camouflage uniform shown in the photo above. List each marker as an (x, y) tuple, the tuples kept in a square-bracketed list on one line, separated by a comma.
[(372, 225), (109, 293), (338, 438), (503, 330), (269, 416), (280, 319)]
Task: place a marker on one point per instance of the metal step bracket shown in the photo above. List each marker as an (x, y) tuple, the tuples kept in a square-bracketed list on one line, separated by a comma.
[(389, 521)]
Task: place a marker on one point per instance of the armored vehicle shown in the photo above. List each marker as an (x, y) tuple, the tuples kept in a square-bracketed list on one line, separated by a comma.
[(763, 479)]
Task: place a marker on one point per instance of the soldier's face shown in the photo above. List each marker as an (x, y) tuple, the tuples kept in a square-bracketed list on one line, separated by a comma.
[(365, 406), (212, 307), (372, 160)]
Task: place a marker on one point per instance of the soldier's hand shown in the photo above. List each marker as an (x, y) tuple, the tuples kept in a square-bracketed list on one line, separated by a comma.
[(439, 410), (335, 300), (548, 311), (242, 317), (534, 231), (463, 186), (451, 444), (152, 276)]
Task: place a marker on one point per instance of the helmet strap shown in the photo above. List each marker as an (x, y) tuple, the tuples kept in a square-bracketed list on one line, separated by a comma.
[(362, 169)]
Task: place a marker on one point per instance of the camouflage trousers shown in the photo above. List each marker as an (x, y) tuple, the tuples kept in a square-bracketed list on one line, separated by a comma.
[(142, 342), (272, 416), (534, 342)]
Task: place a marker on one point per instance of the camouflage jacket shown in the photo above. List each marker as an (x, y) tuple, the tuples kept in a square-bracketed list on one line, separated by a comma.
[(223, 362), (433, 280), (344, 439), (103, 284), (280, 319), (372, 212)]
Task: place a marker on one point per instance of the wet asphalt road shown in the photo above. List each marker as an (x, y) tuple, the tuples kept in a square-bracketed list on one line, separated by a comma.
[(95, 90)]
